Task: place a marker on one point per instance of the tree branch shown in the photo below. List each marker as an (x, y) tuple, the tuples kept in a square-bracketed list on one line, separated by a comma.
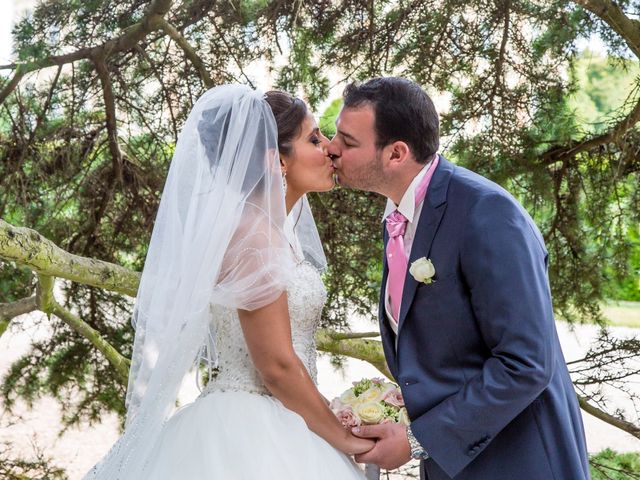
[(27, 247), (111, 120), (191, 54), (564, 153), (13, 83), (9, 311), (629, 30), (46, 106), (610, 419), (611, 13), (367, 350), (347, 335), (127, 40), (499, 65), (47, 303)]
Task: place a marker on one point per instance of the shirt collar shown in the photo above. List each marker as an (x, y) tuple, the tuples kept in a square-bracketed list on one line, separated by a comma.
[(407, 205)]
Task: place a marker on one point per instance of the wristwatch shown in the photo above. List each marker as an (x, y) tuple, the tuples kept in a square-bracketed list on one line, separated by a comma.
[(417, 452)]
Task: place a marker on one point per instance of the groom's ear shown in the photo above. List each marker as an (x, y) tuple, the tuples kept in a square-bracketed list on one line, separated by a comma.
[(399, 152)]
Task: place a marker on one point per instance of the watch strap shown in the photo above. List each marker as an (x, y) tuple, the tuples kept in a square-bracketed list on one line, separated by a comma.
[(417, 451)]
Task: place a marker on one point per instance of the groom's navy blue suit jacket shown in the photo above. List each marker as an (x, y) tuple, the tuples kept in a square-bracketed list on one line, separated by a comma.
[(478, 357)]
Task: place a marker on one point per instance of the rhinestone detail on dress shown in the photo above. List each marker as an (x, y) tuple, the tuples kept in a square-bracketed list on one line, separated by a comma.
[(306, 296)]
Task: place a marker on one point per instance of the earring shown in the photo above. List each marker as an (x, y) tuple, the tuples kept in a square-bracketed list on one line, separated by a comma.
[(284, 182)]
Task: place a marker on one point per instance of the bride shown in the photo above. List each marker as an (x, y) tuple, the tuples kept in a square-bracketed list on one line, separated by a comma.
[(232, 280)]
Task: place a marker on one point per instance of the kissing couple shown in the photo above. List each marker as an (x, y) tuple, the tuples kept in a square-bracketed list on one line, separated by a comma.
[(232, 282)]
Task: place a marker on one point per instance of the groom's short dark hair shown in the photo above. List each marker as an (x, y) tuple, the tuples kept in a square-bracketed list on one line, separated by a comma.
[(403, 112)]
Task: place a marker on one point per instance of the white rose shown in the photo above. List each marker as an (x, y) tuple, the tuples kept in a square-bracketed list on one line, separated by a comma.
[(348, 397), (372, 394), (403, 416), (371, 413), (422, 270)]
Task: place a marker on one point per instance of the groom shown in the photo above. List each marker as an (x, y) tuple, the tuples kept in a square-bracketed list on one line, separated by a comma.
[(465, 308)]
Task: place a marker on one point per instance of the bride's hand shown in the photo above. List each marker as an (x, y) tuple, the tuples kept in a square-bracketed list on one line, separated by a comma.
[(356, 445)]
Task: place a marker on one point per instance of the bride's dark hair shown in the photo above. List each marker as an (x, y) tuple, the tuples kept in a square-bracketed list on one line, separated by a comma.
[(289, 112)]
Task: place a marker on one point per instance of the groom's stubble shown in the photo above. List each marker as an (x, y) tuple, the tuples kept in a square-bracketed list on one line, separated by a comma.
[(368, 175)]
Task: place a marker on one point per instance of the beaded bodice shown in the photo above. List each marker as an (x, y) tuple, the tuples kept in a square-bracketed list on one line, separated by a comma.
[(306, 296)]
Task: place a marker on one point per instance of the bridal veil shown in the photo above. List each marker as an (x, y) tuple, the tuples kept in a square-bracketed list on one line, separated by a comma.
[(218, 239)]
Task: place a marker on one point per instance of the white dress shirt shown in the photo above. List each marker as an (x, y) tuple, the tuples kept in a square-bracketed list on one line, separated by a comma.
[(411, 212)]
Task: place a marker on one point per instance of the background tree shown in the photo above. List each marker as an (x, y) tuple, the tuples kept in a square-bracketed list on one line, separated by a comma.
[(91, 109)]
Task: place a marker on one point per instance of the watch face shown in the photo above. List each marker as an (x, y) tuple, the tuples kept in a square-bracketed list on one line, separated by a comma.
[(419, 455)]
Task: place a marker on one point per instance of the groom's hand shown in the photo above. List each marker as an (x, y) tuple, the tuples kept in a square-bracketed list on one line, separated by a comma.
[(392, 447)]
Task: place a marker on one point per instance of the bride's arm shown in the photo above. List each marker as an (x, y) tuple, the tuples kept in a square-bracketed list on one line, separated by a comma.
[(267, 332)]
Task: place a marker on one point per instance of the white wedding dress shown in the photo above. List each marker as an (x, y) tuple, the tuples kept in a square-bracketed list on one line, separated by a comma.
[(235, 429)]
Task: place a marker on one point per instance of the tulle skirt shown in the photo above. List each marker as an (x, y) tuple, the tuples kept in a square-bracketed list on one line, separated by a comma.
[(240, 435)]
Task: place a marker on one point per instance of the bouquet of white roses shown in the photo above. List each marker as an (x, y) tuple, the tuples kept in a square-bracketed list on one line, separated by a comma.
[(370, 402)]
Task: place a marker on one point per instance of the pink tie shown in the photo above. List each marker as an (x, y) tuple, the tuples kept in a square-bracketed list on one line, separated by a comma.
[(396, 256)]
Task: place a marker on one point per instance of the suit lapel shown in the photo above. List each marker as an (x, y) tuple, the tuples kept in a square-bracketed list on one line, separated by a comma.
[(433, 209)]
